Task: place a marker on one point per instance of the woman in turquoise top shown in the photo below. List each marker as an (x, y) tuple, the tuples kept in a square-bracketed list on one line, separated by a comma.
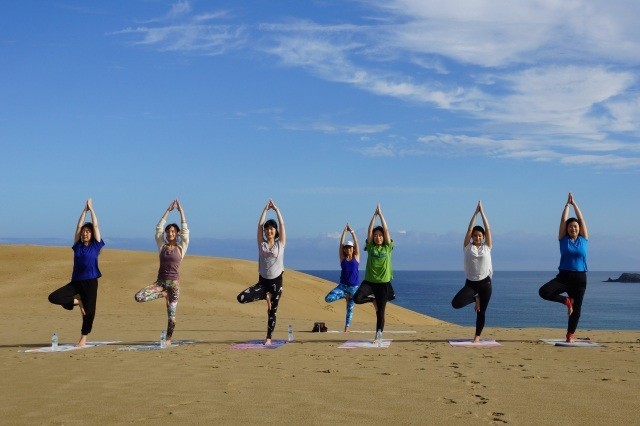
[(376, 286), (572, 275)]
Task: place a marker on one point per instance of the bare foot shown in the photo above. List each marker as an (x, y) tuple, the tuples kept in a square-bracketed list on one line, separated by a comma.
[(476, 339), (267, 342), (78, 302), (168, 342), (346, 329), (570, 338), (82, 342), (477, 307)]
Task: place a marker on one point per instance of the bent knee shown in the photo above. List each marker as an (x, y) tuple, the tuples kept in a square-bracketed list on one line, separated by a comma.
[(542, 292)]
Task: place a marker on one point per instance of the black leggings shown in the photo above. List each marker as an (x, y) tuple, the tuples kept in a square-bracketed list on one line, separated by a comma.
[(88, 292), (467, 295), (259, 291), (381, 293), (573, 283)]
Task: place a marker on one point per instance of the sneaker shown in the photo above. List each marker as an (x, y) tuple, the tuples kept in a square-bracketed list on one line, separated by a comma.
[(569, 303)]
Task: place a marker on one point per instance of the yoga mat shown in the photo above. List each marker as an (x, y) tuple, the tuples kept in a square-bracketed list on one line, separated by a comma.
[(468, 343), (258, 344), (358, 344), (579, 343), (67, 347), (155, 346), (373, 331)]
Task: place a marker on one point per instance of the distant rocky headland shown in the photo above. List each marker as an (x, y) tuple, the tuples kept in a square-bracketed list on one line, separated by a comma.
[(626, 277)]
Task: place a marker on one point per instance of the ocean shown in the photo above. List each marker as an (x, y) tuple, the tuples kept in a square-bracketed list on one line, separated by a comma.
[(514, 301)]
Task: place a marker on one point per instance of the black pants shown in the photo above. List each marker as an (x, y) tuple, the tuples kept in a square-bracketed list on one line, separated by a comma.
[(259, 291), (467, 295), (573, 283), (88, 292), (381, 293)]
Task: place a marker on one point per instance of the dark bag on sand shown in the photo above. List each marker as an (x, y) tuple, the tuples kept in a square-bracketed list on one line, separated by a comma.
[(319, 327)]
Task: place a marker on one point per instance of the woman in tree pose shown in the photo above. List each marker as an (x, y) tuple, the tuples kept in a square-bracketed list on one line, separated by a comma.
[(572, 275), (82, 291), (478, 270), (376, 286), (349, 255), (172, 245), (271, 243)]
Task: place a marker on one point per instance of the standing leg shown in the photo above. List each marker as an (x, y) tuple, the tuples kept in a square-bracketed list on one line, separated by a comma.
[(484, 295), (88, 291), (349, 316), (275, 291), (576, 292), (173, 295), (381, 295)]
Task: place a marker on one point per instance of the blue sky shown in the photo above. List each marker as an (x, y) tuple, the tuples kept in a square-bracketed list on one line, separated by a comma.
[(328, 107)]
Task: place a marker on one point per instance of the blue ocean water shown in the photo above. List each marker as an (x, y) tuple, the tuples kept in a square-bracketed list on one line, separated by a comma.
[(515, 301)]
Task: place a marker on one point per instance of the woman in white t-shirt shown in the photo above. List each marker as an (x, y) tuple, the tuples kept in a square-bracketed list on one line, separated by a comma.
[(270, 267), (478, 270)]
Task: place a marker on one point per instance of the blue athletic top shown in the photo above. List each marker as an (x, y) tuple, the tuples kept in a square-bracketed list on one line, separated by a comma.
[(573, 254), (349, 274), (85, 260)]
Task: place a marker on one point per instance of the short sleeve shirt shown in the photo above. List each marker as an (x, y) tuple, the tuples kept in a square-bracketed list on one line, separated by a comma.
[(85, 260)]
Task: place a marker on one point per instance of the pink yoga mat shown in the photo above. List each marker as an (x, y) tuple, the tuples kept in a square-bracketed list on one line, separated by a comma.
[(468, 343)]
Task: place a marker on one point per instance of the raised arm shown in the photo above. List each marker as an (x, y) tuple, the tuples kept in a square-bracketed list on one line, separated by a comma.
[(76, 235), (467, 237), (94, 219), (340, 248), (562, 230), (160, 225), (263, 216), (283, 232), (184, 229), (178, 206), (583, 224), (356, 246), (383, 222), (371, 226), (485, 222)]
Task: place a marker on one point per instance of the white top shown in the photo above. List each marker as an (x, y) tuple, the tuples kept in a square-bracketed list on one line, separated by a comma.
[(477, 262), (271, 260)]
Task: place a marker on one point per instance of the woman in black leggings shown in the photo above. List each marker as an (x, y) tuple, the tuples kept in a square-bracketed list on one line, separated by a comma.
[(572, 275), (271, 243), (478, 270), (82, 291)]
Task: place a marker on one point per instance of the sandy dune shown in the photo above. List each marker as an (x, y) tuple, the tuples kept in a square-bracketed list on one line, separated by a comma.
[(420, 379)]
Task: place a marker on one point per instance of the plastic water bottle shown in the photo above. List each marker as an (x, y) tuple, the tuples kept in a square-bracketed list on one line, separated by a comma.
[(54, 341), (163, 339), (379, 338), (290, 336)]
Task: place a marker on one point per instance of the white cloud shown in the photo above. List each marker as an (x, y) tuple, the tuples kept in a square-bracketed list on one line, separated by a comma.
[(556, 80)]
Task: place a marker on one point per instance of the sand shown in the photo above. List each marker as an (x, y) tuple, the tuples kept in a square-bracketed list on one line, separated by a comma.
[(419, 379)]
